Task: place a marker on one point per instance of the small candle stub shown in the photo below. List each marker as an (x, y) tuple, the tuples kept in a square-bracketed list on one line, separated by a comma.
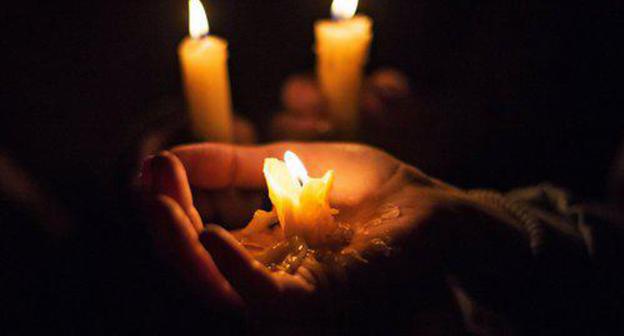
[(300, 202), (301, 227), (303, 233)]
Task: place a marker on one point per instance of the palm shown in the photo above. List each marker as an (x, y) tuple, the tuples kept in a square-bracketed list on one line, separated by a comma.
[(380, 199), (377, 197)]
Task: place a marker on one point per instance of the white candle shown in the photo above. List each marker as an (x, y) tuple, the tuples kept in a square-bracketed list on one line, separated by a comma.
[(301, 202), (342, 47), (206, 79)]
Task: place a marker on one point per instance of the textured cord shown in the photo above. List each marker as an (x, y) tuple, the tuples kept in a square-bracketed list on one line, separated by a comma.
[(520, 212)]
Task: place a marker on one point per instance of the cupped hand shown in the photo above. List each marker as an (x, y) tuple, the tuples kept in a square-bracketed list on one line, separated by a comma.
[(385, 203)]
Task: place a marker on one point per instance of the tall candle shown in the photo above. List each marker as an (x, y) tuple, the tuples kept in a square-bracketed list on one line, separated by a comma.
[(342, 47), (206, 80)]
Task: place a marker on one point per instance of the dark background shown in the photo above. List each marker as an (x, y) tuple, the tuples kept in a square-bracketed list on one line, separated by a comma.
[(520, 92), (523, 91)]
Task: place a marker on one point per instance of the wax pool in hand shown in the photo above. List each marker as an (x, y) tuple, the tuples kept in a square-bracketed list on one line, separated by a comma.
[(300, 202)]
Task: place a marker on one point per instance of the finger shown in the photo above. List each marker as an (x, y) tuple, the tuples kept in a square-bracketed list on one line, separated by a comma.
[(229, 208), (168, 177), (178, 243), (208, 165), (249, 277), (295, 286), (218, 166)]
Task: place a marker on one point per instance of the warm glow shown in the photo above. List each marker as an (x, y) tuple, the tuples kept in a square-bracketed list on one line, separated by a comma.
[(300, 202), (296, 168), (198, 22), (344, 9)]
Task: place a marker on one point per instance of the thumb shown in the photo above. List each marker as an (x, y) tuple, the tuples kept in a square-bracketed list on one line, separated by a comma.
[(168, 177), (178, 244)]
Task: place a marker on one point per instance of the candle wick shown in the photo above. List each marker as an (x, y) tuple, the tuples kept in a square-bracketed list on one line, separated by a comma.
[(299, 181)]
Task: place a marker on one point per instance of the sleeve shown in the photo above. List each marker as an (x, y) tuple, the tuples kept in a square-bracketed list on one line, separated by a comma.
[(569, 281)]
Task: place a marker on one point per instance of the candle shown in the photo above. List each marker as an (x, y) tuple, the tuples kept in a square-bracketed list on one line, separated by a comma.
[(206, 80), (301, 202), (342, 47)]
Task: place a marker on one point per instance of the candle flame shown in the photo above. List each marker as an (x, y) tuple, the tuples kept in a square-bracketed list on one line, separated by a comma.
[(198, 22), (296, 168), (344, 9)]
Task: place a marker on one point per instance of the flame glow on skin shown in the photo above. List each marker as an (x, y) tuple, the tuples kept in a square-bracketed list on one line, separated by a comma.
[(198, 22), (344, 9)]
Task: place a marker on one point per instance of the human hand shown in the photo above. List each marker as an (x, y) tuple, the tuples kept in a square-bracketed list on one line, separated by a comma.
[(406, 226), (384, 201)]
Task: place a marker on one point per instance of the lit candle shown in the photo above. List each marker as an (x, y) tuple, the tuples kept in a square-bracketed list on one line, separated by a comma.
[(342, 47), (301, 202), (206, 79)]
